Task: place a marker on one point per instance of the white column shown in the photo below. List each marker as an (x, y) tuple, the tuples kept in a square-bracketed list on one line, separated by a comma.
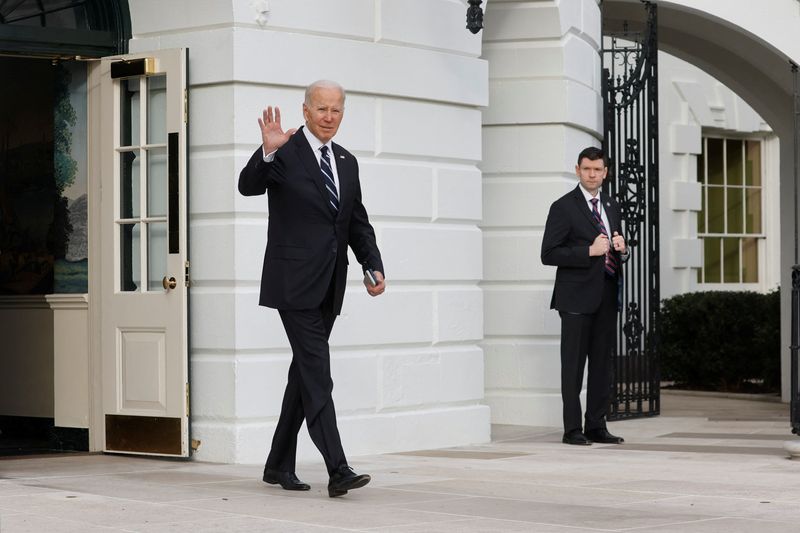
[(545, 106), (407, 366)]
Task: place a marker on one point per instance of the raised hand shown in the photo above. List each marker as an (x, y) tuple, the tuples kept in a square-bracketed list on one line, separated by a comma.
[(272, 134)]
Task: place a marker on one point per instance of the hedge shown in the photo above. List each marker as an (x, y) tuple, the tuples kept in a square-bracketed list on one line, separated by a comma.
[(721, 340)]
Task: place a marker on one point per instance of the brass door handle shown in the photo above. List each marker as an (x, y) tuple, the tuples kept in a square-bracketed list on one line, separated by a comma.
[(168, 284)]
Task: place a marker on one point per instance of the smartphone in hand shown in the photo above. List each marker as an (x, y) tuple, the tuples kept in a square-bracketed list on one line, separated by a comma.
[(369, 275)]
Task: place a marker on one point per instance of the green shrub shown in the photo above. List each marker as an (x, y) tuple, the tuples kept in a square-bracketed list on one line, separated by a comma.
[(721, 340)]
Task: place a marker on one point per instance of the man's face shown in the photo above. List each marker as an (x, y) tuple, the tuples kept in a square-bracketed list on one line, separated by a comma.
[(324, 113), (591, 173)]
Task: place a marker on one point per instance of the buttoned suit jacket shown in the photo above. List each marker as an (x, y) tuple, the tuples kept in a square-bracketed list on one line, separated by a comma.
[(569, 232), (306, 239)]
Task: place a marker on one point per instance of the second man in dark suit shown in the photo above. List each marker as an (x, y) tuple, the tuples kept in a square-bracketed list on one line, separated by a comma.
[(582, 237), (315, 213)]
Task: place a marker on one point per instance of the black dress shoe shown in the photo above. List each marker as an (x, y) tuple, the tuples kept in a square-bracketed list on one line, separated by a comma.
[(287, 480), (344, 479), (602, 436), (574, 436)]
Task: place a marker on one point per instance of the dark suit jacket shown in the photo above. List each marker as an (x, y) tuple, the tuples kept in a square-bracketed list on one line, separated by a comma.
[(568, 233), (306, 241)]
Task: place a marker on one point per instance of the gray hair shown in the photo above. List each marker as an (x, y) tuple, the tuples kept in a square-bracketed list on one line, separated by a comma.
[(322, 84)]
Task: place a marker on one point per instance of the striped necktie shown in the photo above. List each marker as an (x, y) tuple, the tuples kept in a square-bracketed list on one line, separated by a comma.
[(610, 263), (327, 176)]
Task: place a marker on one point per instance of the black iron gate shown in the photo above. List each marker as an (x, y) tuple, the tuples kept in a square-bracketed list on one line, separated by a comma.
[(630, 92), (794, 361)]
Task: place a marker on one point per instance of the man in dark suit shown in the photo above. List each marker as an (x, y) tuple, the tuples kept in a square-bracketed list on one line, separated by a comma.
[(315, 212), (582, 237)]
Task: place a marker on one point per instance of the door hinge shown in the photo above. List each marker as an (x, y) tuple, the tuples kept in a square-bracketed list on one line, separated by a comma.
[(186, 279), (187, 400), (186, 106)]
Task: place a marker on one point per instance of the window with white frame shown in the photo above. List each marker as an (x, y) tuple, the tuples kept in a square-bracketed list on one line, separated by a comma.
[(730, 221)]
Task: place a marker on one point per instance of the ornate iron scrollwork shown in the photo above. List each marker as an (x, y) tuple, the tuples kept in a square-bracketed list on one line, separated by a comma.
[(630, 92)]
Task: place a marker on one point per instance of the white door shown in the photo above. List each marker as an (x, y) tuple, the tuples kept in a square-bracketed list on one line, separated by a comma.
[(143, 266)]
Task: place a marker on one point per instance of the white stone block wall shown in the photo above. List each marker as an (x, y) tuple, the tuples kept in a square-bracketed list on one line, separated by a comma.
[(693, 103), (407, 366), (544, 107)]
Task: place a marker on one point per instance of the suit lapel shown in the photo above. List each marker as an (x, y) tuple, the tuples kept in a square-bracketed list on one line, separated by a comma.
[(611, 213), (583, 206), (346, 186), (309, 159)]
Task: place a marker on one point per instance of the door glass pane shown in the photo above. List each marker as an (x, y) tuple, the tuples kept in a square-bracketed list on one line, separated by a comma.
[(711, 263), (753, 215), (734, 157), (130, 257), (701, 215), (157, 182), (730, 261), (156, 255), (716, 210), (753, 163), (129, 111), (157, 109), (735, 210), (130, 186), (750, 260), (715, 162)]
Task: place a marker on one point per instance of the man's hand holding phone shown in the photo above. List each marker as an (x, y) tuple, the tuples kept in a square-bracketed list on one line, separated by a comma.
[(374, 282)]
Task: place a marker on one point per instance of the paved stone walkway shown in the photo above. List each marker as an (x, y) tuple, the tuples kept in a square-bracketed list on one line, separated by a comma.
[(707, 464)]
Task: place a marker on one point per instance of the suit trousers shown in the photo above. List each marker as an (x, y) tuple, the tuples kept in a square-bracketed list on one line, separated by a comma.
[(308, 390), (588, 336)]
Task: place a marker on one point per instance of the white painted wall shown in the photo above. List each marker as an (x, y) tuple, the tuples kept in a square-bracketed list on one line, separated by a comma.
[(544, 107), (408, 367), (70, 359), (461, 248), (692, 104)]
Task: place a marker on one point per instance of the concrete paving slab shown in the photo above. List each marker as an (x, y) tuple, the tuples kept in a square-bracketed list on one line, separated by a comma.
[(706, 465)]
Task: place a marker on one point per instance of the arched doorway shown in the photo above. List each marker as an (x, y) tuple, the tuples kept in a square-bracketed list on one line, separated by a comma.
[(751, 52), (45, 389)]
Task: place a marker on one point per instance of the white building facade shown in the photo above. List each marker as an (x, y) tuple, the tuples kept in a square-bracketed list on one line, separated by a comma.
[(463, 142)]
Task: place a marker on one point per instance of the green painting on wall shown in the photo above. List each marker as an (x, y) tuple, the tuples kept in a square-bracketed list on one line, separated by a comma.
[(42, 177)]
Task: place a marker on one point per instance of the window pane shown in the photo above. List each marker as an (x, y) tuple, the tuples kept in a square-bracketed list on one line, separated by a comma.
[(129, 111), (735, 158), (130, 257), (750, 260), (701, 168), (735, 210), (157, 182), (716, 209), (753, 163), (711, 264), (701, 215), (129, 184), (730, 260), (753, 214), (715, 162), (156, 255), (157, 110)]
